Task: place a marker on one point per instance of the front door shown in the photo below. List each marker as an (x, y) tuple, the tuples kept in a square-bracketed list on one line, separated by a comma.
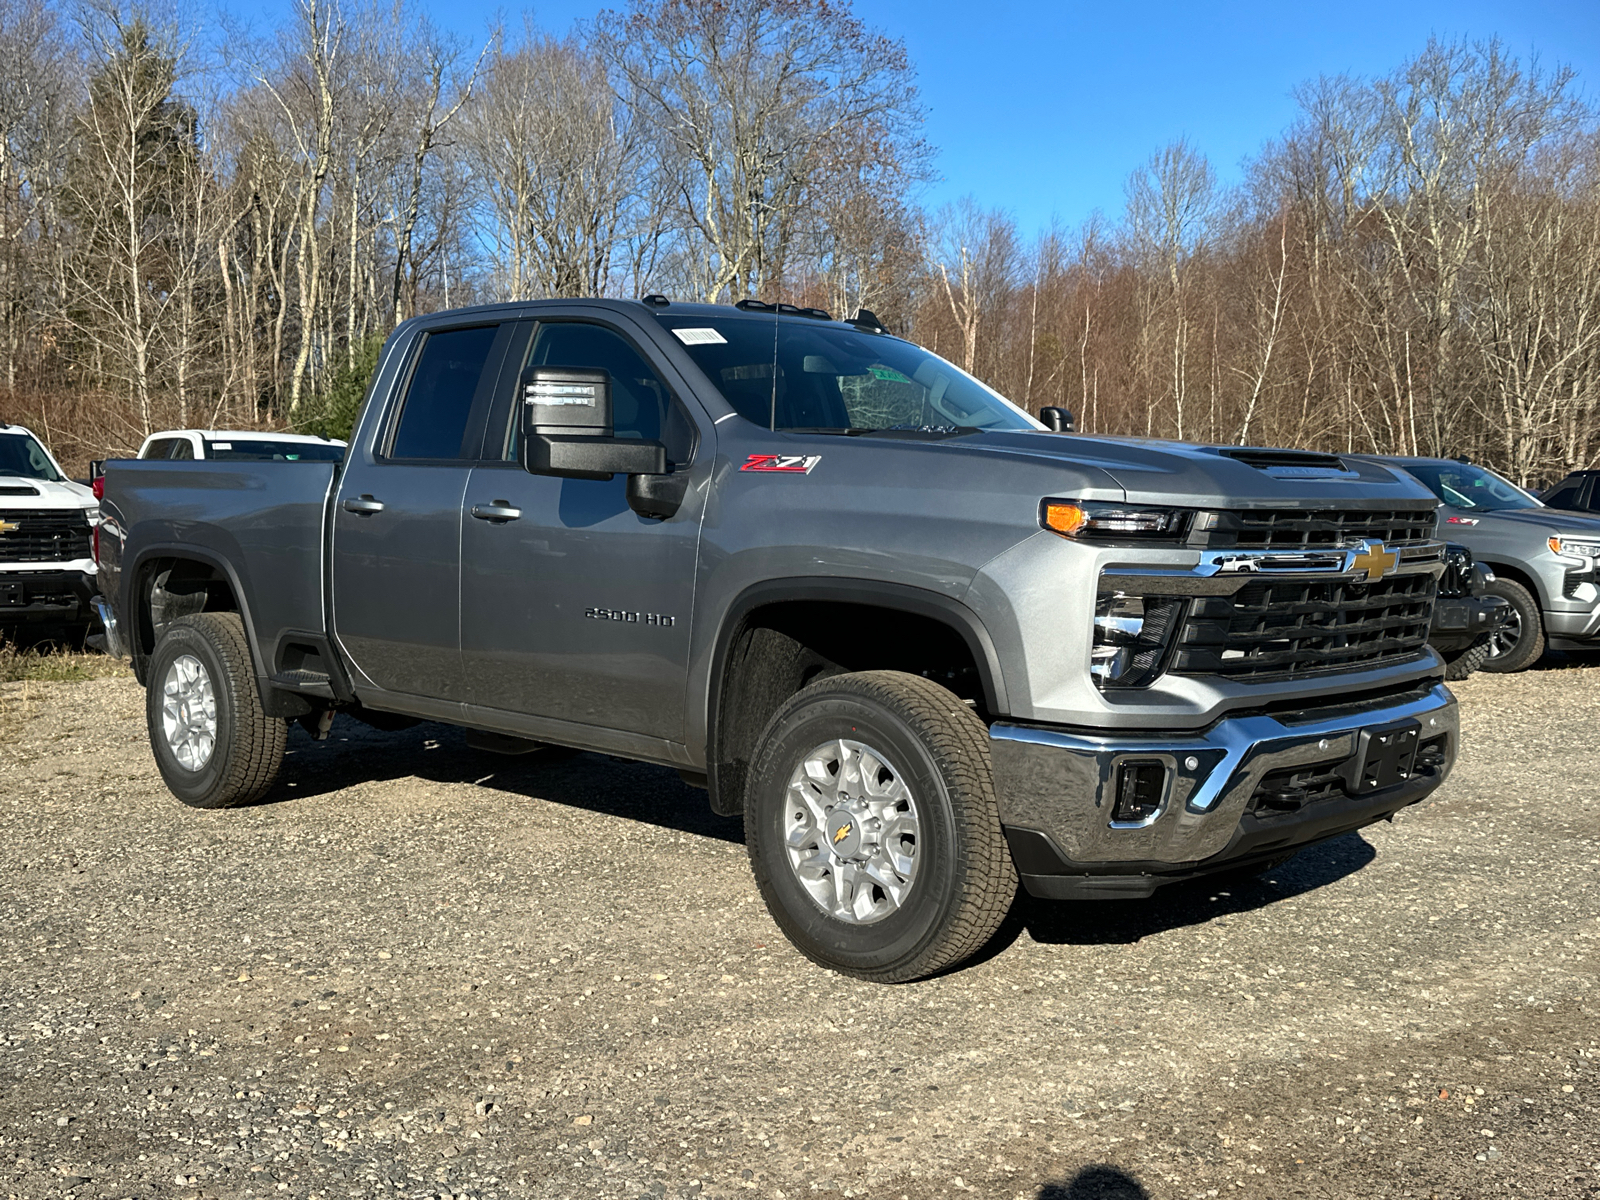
[(577, 608), (397, 522)]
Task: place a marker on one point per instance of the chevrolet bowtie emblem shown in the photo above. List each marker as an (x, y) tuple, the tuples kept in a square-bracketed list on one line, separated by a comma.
[(844, 832), (1375, 560), (9, 527)]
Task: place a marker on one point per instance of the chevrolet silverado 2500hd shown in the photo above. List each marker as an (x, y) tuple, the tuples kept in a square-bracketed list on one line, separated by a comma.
[(925, 647), (47, 569)]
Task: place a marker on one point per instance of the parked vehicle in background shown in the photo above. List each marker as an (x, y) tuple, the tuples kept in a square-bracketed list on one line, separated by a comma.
[(233, 445), (1465, 617), (1576, 493), (47, 529), (1546, 560), (924, 646)]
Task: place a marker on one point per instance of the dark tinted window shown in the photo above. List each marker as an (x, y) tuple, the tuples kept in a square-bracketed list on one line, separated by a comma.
[(182, 448), (1565, 496), (257, 450), (641, 405), (21, 455), (160, 448), (433, 419)]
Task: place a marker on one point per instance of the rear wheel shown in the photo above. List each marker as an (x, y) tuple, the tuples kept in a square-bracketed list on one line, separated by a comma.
[(1519, 642), (873, 830), (213, 744)]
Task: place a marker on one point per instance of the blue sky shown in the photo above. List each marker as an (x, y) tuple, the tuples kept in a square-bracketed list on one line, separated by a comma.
[(1043, 109)]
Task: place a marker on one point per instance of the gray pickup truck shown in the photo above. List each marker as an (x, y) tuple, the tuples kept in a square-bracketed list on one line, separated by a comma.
[(1545, 560), (925, 647)]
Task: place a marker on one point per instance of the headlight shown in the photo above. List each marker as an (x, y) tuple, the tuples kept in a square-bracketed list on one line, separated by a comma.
[(1131, 637), (1101, 521), (1578, 547)]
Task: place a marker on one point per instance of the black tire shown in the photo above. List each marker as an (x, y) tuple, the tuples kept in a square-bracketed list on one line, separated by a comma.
[(963, 883), (1458, 664), (1519, 643), (248, 746)]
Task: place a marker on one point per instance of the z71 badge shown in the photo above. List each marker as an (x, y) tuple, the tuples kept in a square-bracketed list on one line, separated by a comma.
[(782, 464)]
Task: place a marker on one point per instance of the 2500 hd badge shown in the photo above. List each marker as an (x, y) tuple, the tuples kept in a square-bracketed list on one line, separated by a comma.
[(629, 618)]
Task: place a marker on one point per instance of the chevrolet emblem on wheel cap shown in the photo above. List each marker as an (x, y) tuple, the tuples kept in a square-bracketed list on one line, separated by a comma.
[(844, 832), (1375, 559)]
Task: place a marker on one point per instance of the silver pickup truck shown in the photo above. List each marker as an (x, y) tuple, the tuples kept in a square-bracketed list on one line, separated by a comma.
[(927, 648)]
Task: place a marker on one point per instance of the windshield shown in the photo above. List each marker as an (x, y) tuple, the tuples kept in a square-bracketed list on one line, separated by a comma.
[(1462, 486), (798, 373), (21, 455), (255, 450)]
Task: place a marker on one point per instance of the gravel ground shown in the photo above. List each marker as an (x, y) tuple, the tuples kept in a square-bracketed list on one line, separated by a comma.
[(422, 970)]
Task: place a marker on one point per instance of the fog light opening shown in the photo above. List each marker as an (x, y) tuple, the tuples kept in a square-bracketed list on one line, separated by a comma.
[(1141, 787)]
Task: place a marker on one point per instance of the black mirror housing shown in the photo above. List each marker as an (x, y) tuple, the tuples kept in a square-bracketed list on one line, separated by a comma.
[(567, 430), (658, 496), (1057, 419)]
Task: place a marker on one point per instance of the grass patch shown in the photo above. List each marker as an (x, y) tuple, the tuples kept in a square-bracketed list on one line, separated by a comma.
[(34, 664)]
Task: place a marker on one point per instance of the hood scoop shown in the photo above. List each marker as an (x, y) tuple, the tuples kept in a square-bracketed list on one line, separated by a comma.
[(1292, 464), (18, 489)]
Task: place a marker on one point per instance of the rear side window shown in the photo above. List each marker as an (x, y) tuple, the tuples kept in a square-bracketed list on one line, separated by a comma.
[(160, 448), (182, 448), (438, 403)]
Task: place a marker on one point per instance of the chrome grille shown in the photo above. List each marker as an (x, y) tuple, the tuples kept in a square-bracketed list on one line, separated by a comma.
[(1310, 529), (1285, 628)]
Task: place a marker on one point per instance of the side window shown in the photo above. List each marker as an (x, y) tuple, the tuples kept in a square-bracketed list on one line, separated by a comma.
[(182, 448), (641, 405), (160, 448), (1566, 497), (437, 408)]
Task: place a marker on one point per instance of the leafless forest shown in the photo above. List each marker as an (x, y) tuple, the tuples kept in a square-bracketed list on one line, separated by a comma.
[(208, 224)]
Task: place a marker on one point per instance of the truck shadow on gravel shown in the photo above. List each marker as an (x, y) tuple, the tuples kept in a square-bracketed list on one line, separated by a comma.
[(1099, 1182), (1123, 922), (354, 754)]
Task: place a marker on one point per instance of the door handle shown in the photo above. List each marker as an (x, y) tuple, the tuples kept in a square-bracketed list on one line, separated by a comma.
[(498, 510), (363, 505)]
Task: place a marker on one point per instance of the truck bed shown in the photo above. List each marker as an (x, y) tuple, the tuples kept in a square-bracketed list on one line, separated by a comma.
[(260, 523)]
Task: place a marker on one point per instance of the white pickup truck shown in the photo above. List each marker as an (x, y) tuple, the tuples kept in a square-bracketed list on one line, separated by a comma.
[(47, 525)]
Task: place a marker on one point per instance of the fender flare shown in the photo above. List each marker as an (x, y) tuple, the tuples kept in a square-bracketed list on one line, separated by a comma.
[(193, 553), (876, 593)]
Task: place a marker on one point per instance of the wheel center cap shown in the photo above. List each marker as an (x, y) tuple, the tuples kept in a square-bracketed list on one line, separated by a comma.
[(844, 833)]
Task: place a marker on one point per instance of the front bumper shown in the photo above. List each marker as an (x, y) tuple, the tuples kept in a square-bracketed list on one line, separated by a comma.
[(1458, 622), (1223, 804), (30, 596)]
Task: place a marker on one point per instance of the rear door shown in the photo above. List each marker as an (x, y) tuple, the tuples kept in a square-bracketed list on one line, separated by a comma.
[(577, 608), (397, 525)]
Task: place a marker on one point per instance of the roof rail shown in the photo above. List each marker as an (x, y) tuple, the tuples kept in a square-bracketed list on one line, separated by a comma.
[(788, 310)]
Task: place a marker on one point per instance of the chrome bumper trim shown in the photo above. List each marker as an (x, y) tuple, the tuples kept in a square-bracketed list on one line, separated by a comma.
[(1060, 783)]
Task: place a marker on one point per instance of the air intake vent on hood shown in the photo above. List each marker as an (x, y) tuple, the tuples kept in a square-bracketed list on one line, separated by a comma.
[(18, 489), (1294, 464)]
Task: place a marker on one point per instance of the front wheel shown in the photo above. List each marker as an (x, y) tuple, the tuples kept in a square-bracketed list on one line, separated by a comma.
[(1518, 643), (1458, 664), (872, 826), (214, 745)]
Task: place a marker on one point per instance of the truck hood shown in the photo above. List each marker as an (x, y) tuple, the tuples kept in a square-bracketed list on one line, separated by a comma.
[(17, 492), (1548, 520), (1151, 471)]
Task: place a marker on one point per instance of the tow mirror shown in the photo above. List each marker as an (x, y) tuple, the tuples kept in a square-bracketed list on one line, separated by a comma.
[(566, 428), (1058, 420)]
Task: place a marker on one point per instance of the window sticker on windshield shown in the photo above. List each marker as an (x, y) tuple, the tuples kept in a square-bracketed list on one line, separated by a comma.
[(700, 337), (889, 374)]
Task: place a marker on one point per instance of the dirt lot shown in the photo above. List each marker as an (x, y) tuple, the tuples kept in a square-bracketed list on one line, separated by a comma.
[(422, 970)]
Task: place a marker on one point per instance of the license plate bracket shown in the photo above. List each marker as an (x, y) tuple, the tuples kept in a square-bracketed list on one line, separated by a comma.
[(12, 596), (1385, 756)]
